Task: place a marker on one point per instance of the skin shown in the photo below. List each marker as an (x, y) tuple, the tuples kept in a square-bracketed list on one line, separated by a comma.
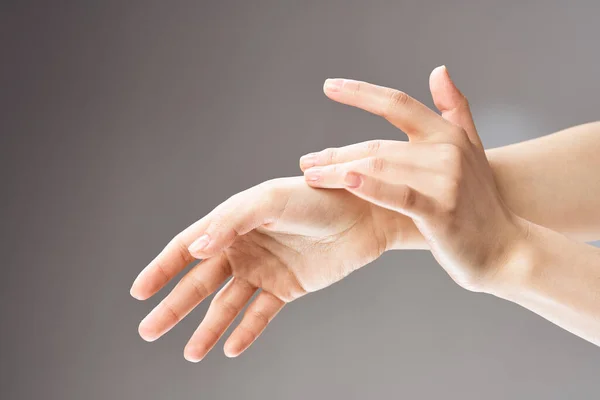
[(284, 238), (470, 229), (553, 181), (441, 179), (281, 238)]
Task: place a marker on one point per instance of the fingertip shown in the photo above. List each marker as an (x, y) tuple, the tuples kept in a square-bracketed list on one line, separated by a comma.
[(440, 69), (146, 333), (448, 80), (352, 180), (308, 161), (137, 290), (436, 74), (333, 85), (133, 292), (192, 359), (230, 354), (312, 175), (232, 349), (199, 245), (193, 354)]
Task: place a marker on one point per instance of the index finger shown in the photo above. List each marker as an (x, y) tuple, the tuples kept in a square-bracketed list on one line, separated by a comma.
[(417, 120), (207, 237)]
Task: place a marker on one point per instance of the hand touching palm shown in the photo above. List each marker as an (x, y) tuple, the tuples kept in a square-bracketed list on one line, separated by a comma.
[(282, 238)]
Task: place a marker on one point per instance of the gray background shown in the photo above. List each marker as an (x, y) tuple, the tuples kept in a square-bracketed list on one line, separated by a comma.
[(122, 122)]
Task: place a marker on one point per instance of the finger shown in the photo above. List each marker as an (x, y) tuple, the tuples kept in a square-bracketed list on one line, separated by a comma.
[(397, 197), (194, 287), (355, 151), (417, 120), (418, 154), (236, 216), (453, 105), (256, 318), (167, 264), (226, 305), (419, 174), (260, 205)]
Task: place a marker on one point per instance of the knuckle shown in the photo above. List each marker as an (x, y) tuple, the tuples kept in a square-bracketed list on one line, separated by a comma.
[(226, 307), (177, 243), (158, 265), (448, 192), (270, 190), (200, 288), (356, 87), (376, 164), (452, 159), (214, 334), (260, 316), (252, 334), (170, 309), (397, 100), (451, 197), (373, 146), (332, 170), (407, 198), (330, 155), (377, 189)]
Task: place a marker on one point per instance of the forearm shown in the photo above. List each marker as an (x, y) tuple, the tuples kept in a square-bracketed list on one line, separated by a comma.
[(553, 181), (556, 278)]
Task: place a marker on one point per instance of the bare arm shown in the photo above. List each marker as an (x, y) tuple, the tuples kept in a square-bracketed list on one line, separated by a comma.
[(471, 230), (556, 278), (554, 180)]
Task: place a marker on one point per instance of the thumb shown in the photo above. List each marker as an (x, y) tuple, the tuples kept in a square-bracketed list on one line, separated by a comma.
[(452, 103)]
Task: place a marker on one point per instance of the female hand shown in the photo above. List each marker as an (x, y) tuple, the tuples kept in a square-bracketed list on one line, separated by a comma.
[(281, 238), (441, 179)]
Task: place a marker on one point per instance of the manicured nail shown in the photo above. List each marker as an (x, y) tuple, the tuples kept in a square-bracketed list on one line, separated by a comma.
[(231, 350), (309, 160), (312, 174), (192, 359), (133, 292), (445, 69), (352, 180), (193, 354), (333, 85), (199, 244)]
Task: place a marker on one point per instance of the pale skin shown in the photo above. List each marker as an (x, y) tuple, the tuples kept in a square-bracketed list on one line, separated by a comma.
[(481, 214)]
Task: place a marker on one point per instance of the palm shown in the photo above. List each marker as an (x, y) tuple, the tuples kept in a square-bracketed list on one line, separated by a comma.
[(282, 239), (320, 238)]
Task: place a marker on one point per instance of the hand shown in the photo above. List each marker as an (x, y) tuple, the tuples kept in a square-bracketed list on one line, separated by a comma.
[(281, 238), (441, 179)]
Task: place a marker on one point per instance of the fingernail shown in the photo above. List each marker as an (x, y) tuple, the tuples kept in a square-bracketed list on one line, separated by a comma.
[(199, 244), (192, 355), (333, 85), (309, 160), (134, 294), (134, 290), (352, 180), (192, 359), (231, 349), (312, 174), (446, 71)]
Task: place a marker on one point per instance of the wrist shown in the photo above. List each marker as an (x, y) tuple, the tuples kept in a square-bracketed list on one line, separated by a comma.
[(401, 233), (515, 275)]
